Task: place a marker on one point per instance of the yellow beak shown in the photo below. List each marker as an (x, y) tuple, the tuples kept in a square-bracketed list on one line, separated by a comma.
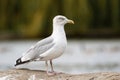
[(70, 21)]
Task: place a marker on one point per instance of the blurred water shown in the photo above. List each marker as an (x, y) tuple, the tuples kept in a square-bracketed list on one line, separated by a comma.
[(81, 56)]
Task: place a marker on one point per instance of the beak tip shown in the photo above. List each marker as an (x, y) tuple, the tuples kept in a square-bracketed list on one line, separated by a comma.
[(71, 21)]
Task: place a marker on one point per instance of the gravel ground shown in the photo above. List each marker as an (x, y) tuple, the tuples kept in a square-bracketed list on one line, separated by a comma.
[(24, 74)]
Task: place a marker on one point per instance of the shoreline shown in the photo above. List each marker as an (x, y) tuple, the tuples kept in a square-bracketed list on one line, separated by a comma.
[(26, 74)]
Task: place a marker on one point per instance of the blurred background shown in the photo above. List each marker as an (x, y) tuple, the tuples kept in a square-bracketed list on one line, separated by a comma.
[(93, 41)]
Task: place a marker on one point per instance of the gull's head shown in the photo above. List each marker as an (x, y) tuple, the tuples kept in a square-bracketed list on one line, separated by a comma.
[(61, 20)]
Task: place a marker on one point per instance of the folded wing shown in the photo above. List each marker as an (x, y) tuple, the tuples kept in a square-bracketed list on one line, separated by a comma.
[(34, 51)]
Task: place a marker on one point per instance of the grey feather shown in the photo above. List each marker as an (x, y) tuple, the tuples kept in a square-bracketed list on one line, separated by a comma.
[(39, 48)]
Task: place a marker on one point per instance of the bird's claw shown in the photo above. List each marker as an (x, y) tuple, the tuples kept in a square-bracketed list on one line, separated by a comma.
[(52, 73)]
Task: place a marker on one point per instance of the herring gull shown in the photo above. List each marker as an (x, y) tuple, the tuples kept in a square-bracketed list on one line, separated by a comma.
[(49, 48)]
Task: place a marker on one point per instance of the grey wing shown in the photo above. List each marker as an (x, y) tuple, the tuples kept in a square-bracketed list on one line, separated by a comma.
[(39, 48)]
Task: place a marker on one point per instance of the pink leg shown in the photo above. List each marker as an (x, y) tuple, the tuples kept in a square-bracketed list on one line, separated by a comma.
[(50, 73), (52, 70)]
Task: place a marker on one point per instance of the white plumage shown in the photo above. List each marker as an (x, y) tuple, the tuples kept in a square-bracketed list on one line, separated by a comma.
[(50, 47)]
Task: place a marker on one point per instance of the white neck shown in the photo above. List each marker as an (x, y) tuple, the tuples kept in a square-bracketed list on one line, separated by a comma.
[(58, 31)]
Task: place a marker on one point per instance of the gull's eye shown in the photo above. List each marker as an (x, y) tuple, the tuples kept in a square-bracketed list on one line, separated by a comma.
[(60, 18)]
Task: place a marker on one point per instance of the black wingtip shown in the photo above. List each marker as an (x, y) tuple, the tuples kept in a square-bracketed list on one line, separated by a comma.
[(15, 65), (19, 62)]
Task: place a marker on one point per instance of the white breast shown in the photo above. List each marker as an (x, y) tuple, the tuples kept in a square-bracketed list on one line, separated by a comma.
[(56, 51), (60, 41)]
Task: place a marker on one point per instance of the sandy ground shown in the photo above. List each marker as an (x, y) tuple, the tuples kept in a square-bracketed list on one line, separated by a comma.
[(24, 74)]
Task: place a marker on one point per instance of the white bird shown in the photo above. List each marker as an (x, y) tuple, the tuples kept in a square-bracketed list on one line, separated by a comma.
[(50, 47)]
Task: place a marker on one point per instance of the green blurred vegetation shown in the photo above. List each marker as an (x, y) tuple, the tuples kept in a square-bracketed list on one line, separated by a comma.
[(33, 18)]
